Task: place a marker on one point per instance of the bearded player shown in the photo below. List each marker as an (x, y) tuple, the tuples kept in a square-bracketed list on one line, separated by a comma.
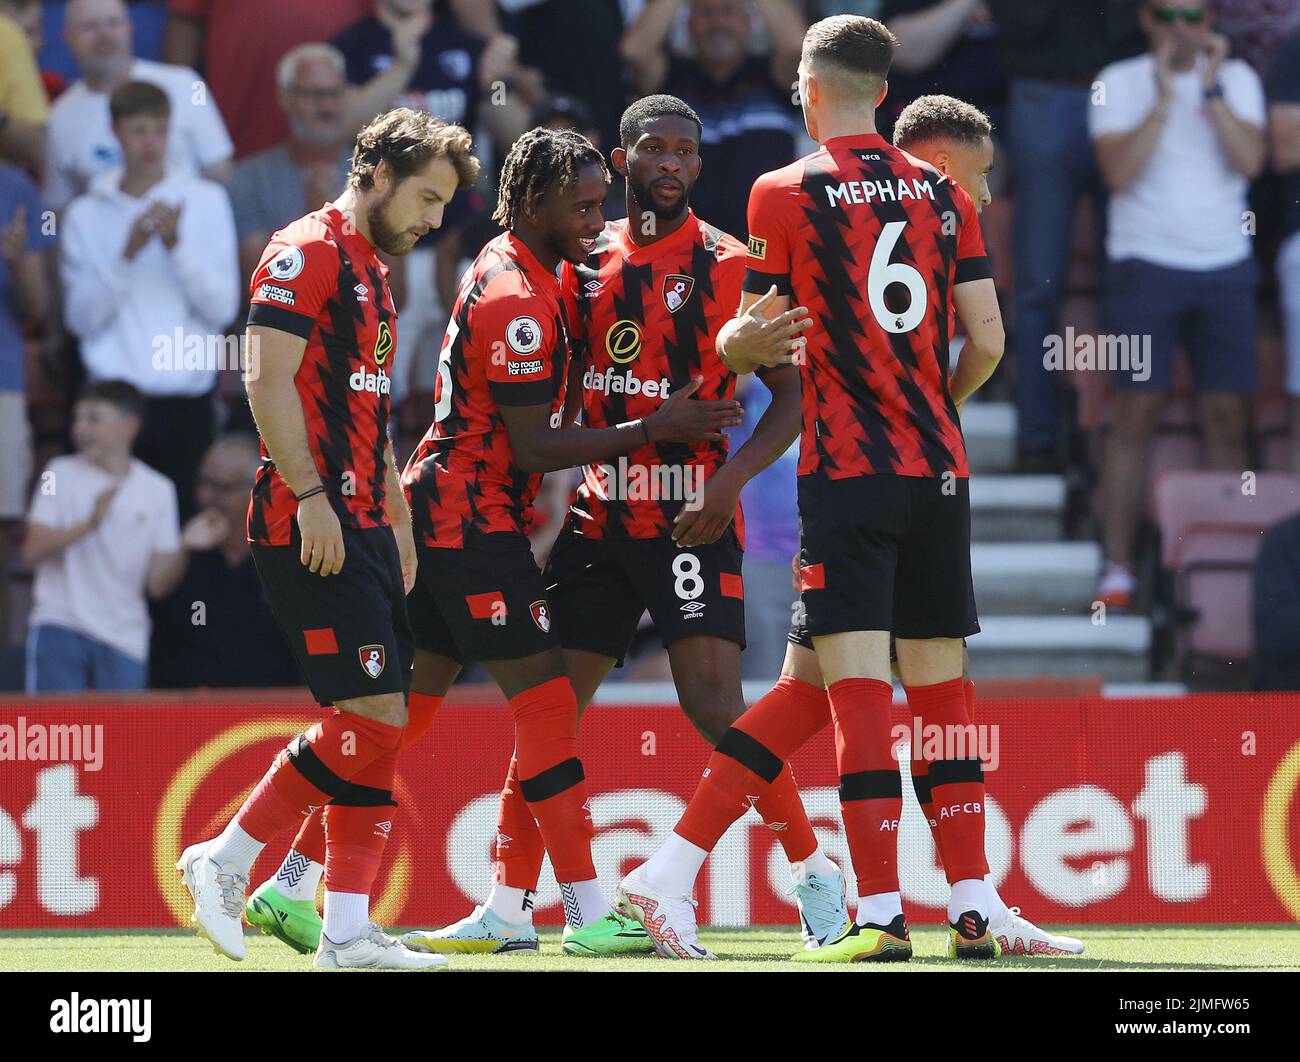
[(651, 297), (331, 532), (882, 249)]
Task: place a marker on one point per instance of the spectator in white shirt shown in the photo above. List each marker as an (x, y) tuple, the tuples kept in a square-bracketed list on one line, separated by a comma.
[(102, 534), (151, 280), (81, 144), (1179, 134)]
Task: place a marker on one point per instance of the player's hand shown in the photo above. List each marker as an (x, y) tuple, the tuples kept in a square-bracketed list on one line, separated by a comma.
[(796, 580), (685, 419), (703, 519), (205, 530), (1216, 51), (406, 552), (322, 535), (762, 343), (13, 242)]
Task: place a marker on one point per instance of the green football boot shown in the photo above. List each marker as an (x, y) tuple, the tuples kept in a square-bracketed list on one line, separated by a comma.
[(611, 935), (295, 922)]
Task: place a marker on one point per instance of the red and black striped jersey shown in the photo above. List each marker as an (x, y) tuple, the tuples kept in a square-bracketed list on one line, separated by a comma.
[(507, 344), (647, 319), (872, 241), (322, 280)]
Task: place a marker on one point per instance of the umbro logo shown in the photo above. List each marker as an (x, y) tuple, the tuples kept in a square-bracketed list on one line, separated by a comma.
[(692, 607), (362, 291)]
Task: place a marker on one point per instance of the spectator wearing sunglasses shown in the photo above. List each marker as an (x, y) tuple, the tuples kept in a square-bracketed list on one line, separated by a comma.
[(1179, 134)]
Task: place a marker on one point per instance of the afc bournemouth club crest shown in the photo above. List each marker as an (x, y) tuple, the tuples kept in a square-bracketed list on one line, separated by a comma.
[(541, 615), (372, 660), (677, 289)]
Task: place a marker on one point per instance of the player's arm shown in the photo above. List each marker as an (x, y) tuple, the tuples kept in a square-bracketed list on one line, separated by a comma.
[(399, 515), (777, 428), (538, 447), (277, 409), (976, 302), (765, 332)]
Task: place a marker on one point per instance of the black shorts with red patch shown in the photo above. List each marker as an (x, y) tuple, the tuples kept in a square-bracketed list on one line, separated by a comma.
[(485, 601), (599, 588), (347, 631), (886, 553)]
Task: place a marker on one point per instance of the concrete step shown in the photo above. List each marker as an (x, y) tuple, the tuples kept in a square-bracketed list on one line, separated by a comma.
[(1024, 646), (990, 432), (1037, 578), (1017, 508)]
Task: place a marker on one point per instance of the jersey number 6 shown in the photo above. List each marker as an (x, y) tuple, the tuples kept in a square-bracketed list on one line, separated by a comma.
[(883, 272)]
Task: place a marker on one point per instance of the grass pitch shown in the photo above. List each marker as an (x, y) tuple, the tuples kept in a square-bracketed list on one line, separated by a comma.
[(1153, 949)]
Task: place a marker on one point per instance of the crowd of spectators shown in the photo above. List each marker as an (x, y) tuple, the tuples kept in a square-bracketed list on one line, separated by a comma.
[(148, 150)]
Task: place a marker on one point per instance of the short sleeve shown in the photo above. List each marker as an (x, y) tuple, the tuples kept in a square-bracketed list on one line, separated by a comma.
[(1244, 93), (1121, 101), (768, 261), (730, 280), (292, 284), (515, 336), (972, 258)]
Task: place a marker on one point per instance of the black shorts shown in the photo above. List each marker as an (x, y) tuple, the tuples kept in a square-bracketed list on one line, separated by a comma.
[(348, 631), (886, 553), (485, 601), (600, 587)]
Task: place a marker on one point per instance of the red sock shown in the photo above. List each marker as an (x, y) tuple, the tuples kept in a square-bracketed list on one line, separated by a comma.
[(421, 708), (420, 711), (313, 770), (551, 778), (355, 834), (519, 847), (956, 785), (871, 791), (921, 784), (748, 768)]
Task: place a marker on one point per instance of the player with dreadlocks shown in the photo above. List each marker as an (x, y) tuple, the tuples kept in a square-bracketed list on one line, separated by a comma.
[(498, 425)]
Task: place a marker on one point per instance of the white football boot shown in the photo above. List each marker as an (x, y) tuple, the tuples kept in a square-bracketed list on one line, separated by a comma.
[(1019, 936), (669, 920), (373, 949), (218, 891)]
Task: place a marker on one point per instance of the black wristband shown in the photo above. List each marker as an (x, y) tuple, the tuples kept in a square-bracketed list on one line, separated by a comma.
[(1214, 92), (311, 492)]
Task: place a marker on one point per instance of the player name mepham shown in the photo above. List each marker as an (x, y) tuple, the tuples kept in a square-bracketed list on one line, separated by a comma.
[(77, 1015), (878, 191)]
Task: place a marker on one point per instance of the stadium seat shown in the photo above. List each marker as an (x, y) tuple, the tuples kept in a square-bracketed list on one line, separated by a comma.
[(1211, 525)]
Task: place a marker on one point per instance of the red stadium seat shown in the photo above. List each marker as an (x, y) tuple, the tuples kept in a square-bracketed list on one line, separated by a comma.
[(1211, 526)]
